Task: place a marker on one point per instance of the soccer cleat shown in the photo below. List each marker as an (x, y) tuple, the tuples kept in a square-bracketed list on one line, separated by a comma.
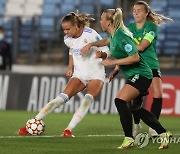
[(170, 135), (137, 129), (127, 143), (164, 140), (152, 133), (22, 131), (67, 133)]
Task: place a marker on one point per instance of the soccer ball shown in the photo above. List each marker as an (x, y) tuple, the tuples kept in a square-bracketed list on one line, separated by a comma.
[(35, 126)]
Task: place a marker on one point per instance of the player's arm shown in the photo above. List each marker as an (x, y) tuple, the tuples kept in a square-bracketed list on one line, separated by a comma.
[(99, 43), (143, 45), (123, 61), (101, 54), (70, 67), (148, 38), (114, 73)]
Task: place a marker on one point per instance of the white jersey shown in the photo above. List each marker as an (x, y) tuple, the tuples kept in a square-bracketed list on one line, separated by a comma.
[(86, 67)]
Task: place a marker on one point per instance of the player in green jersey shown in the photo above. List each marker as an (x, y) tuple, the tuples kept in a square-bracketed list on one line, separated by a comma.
[(145, 32), (145, 35), (137, 72)]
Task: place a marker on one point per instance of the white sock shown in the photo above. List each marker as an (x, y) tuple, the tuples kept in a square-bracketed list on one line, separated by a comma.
[(81, 111), (48, 108)]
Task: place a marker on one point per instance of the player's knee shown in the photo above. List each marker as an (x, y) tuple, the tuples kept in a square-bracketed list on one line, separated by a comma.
[(157, 94), (64, 96)]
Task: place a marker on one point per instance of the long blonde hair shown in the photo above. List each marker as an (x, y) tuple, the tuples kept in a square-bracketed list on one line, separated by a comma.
[(81, 20), (153, 16), (116, 18)]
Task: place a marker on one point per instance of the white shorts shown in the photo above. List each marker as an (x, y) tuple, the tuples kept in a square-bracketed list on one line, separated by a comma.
[(85, 80)]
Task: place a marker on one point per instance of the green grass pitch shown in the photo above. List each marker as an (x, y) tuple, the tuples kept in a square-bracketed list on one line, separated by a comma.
[(96, 134)]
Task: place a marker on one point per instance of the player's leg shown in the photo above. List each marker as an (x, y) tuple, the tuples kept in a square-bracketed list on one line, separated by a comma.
[(73, 87), (93, 89), (126, 94), (136, 104), (156, 107), (150, 119)]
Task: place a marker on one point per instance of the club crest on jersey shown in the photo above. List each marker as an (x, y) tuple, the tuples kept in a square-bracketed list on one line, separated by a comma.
[(85, 41), (128, 47), (97, 38), (152, 33)]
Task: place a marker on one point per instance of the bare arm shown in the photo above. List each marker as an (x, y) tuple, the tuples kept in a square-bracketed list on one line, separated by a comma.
[(114, 73), (143, 45), (124, 61), (99, 43), (100, 54), (70, 67)]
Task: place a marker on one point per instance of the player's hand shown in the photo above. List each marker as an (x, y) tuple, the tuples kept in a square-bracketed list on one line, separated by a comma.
[(108, 62), (85, 49), (113, 74), (69, 73), (98, 54)]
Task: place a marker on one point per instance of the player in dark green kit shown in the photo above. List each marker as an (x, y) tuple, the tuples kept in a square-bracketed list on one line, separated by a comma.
[(137, 73), (145, 32)]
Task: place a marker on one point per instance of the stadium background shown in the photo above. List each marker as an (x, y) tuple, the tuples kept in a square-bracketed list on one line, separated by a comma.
[(40, 56)]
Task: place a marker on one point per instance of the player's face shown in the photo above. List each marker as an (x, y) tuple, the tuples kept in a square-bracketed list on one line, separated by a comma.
[(69, 29), (104, 22), (139, 13)]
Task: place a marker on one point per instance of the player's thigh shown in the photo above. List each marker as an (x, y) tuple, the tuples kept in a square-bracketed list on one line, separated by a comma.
[(73, 87), (94, 87), (128, 93), (156, 87)]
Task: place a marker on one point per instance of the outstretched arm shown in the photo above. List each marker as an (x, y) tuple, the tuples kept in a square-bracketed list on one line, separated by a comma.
[(124, 61), (99, 43)]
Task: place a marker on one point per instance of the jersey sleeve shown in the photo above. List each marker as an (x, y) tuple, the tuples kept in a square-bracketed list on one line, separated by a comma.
[(152, 32), (97, 37), (129, 46), (66, 41)]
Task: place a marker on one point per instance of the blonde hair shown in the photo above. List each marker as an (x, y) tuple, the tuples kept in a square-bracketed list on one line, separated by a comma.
[(153, 16), (81, 20), (116, 18)]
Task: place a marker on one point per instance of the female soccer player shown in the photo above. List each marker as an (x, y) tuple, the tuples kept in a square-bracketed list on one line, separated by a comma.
[(145, 33), (137, 72), (85, 71)]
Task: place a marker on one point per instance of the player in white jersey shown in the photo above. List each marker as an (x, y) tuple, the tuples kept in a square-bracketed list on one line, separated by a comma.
[(85, 71), (86, 67)]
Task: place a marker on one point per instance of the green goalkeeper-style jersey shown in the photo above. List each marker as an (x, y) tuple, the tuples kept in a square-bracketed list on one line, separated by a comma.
[(122, 46), (149, 32)]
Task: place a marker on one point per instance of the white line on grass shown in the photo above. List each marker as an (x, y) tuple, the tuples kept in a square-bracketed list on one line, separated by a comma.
[(51, 136)]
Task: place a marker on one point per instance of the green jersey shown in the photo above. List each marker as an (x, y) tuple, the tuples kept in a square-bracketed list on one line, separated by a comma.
[(149, 30), (122, 46)]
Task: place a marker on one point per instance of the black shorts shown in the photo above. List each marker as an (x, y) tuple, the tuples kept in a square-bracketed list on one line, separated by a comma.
[(156, 73), (141, 83)]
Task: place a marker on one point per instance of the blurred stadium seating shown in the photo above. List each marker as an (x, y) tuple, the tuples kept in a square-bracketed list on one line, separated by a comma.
[(33, 28)]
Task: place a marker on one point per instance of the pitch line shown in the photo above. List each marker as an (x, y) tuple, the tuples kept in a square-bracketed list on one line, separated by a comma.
[(51, 136)]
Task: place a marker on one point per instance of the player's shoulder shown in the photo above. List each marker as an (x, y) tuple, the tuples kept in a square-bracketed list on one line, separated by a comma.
[(88, 30), (65, 37)]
